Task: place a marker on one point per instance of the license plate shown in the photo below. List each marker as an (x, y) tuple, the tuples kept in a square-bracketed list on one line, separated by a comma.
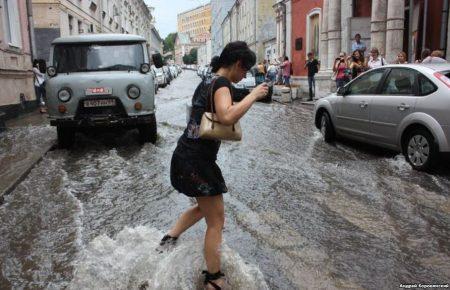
[(98, 91), (99, 103)]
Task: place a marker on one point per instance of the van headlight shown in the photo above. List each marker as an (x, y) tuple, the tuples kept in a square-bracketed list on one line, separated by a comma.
[(64, 95), (133, 92)]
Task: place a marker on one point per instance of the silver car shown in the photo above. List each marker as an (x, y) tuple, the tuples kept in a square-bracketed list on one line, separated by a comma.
[(101, 80), (400, 107)]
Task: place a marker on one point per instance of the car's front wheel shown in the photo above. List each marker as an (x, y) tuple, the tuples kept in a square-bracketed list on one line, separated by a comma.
[(148, 132), (420, 149), (66, 137), (326, 128)]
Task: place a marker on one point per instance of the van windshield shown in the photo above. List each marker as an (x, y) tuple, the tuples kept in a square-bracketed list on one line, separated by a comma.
[(97, 57)]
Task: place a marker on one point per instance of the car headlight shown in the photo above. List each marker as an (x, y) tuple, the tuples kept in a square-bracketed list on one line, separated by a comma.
[(145, 68), (51, 71), (64, 95), (133, 92)]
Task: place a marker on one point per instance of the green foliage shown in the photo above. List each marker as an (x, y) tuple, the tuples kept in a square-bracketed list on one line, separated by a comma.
[(169, 42), (190, 58)]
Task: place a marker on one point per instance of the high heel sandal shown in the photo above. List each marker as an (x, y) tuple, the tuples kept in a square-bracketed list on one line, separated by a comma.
[(209, 278), (166, 243)]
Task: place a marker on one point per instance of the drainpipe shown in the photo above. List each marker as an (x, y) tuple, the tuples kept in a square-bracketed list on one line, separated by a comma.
[(444, 23), (101, 16), (31, 30), (425, 19), (410, 28), (284, 23)]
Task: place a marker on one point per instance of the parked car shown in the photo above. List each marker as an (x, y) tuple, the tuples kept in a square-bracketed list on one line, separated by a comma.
[(173, 71), (400, 107), (100, 80), (161, 78), (167, 74), (155, 78)]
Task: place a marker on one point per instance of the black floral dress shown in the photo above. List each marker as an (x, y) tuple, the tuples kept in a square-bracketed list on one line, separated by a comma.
[(193, 169)]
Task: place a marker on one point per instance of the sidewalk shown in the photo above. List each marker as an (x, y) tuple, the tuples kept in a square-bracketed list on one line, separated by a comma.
[(283, 95), (22, 146)]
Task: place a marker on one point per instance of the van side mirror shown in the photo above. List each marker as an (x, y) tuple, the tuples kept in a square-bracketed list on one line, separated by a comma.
[(341, 91), (157, 60)]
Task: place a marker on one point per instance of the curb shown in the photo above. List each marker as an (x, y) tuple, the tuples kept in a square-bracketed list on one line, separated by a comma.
[(21, 176)]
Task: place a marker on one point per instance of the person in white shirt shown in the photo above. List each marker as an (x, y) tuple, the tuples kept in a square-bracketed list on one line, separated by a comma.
[(39, 86), (375, 60), (435, 57), (358, 44)]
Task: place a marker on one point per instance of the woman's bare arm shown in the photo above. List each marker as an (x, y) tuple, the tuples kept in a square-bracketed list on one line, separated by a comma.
[(229, 113)]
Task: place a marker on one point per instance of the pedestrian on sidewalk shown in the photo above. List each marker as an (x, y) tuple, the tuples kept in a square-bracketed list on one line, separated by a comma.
[(341, 70), (436, 56), (39, 86), (375, 59), (358, 44), (193, 169), (286, 66), (425, 53), (313, 66), (357, 64), (401, 58), (272, 72)]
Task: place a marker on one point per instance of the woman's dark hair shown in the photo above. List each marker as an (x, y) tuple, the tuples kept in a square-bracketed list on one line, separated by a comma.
[(214, 64), (361, 55), (286, 58), (234, 52), (425, 53), (35, 62)]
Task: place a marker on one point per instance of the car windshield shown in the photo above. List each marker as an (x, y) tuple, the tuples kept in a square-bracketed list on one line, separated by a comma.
[(98, 57)]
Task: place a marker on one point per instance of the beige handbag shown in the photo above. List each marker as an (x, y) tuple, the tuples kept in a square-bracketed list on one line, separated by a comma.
[(210, 127)]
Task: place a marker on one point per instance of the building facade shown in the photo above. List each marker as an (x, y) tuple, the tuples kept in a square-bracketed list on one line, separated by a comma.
[(391, 26), (196, 23), (219, 8), (204, 54), (184, 45), (55, 18), (252, 21), (16, 77), (283, 12)]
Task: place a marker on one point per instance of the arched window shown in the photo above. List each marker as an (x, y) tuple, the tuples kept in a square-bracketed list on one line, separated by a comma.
[(313, 31)]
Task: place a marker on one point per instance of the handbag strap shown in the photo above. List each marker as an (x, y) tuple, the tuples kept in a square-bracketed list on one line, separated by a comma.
[(211, 100)]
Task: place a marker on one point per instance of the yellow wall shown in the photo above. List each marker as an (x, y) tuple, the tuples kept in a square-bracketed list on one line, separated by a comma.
[(196, 22)]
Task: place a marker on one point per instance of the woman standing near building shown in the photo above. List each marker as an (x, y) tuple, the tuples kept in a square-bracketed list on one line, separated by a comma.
[(193, 169), (341, 69), (357, 65), (401, 58), (39, 86)]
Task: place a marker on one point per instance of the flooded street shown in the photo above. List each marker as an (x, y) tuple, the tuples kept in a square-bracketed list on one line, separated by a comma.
[(300, 213)]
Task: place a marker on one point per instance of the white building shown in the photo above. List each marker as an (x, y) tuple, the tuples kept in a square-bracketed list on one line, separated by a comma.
[(219, 9), (53, 19)]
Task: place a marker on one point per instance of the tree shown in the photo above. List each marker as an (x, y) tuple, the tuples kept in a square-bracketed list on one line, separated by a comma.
[(169, 42), (190, 58)]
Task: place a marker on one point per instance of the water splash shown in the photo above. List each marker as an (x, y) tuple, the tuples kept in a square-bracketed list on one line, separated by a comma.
[(131, 261)]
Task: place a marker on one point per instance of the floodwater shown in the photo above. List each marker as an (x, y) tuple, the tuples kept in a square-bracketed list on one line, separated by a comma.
[(300, 213)]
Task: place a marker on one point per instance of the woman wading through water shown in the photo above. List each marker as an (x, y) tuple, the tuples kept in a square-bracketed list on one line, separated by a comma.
[(193, 169)]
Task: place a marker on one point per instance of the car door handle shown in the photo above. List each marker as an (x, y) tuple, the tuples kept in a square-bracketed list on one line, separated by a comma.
[(403, 107), (363, 105)]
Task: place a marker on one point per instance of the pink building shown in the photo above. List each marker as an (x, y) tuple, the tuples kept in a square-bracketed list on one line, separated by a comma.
[(16, 77)]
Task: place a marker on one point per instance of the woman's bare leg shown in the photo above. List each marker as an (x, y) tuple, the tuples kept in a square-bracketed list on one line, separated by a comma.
[(186, 220), (213, 210)]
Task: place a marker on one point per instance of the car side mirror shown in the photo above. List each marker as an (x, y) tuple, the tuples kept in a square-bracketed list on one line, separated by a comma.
[(341, 91), (157, 60)]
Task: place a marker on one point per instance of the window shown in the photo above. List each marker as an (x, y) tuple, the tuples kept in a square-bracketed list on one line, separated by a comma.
[(362, 8), (426, 86), (367, 84), (400, 82), (13, 34), (313, 31)]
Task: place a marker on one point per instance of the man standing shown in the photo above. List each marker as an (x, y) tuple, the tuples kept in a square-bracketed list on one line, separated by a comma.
[(375, 59), (286, 67), (313, 66), (358, 44)]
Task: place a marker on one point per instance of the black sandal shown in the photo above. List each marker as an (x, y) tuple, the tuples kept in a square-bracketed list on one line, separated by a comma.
[(168, 240), (210, 277)]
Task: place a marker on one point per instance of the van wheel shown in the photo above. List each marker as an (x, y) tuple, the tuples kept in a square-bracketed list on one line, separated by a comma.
[(148, 132), (326, 128), (420, 150), (66, 137)]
